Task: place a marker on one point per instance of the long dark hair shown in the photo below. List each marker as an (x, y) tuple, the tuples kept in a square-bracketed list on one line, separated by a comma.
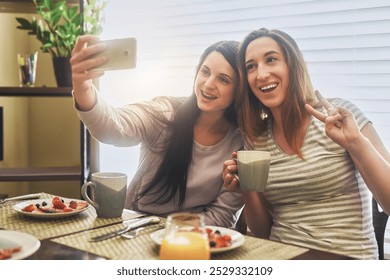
[(300, 90), (171, 176)]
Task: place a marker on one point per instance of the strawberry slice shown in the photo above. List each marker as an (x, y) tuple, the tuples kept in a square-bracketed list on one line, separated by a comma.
[(68, 209), (58, 203), (73, 204), (29, 208), (81, 205)]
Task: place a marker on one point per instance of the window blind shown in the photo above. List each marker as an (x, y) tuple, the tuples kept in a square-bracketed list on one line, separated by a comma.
[(346, 44)]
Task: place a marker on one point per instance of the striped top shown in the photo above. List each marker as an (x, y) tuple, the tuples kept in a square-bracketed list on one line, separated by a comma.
[(320, 201)]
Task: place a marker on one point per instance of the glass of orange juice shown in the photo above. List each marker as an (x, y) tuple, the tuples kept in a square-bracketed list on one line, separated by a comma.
[(185, 238)]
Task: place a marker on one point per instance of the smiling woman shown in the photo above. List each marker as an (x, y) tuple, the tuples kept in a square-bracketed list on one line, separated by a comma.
[(334, 147), (180, 138)]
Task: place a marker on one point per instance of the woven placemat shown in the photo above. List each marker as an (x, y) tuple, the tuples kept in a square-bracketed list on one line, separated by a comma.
[(49, 228), (140, 248), (261, 249), (144, 248)]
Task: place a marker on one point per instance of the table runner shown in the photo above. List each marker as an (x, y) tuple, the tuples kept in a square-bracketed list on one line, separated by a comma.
[(49, 228), (143, 247)]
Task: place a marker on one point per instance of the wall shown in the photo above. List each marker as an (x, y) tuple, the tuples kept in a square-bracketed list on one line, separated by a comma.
[(57, 121), (38, 131), (15, 110)]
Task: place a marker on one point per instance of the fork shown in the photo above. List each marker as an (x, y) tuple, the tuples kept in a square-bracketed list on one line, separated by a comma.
[(132, 234)]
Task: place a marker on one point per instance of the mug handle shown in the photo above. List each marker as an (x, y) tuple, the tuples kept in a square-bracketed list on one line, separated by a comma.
[(84, 193)]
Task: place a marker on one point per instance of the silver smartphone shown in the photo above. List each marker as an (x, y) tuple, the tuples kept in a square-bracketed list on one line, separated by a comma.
[(122, 54)]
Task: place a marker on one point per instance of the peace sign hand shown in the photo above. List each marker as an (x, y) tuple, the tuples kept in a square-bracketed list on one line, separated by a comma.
[(340, 124)]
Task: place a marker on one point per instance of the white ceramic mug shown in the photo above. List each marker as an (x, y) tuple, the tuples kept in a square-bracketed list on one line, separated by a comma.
[(108, 193), (253, 169)]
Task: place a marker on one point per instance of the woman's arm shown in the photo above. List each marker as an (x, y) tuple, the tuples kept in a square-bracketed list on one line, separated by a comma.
[(257, 217), (223, 210), (365, 148), (82, 62), (126, 126), (373, 162)]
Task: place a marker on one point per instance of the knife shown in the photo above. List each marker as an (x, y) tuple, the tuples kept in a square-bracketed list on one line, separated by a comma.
[(132, 226)]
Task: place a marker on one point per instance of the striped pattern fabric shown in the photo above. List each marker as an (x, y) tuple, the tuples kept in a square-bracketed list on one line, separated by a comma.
[(320, 201)]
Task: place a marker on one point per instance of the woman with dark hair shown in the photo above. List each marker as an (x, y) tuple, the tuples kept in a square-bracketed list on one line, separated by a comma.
[(324, 154), (184, 141)]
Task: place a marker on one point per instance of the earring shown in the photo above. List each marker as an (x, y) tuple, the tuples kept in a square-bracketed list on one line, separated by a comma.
[(263, 114)]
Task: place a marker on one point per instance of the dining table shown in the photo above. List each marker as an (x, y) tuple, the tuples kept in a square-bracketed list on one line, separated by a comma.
[(69, 238)]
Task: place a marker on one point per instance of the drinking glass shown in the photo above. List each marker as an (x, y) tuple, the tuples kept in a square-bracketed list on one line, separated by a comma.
[(27, 64), (185, 238)]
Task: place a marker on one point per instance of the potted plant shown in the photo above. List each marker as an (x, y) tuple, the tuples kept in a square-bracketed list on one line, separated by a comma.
[(58, 27)]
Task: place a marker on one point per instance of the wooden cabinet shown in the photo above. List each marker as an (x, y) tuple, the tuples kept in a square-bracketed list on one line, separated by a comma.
[(48, 173)]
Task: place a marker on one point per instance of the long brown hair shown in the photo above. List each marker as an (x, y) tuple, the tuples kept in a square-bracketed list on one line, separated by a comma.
[(300, 91), (171, 176)]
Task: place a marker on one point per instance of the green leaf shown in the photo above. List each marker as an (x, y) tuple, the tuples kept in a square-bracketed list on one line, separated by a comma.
[(46, 3), (58, 5), (24, 23), (60, 24), (46, 17), (56, 19), (73, 12)]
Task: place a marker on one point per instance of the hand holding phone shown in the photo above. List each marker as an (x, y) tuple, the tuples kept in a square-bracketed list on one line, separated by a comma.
[(121, 54)]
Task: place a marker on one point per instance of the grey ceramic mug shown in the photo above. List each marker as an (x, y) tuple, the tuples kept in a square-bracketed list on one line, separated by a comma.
[(253, 168), (108, 193)]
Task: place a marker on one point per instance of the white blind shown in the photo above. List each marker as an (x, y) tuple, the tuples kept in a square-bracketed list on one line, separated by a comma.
[(346, 44)]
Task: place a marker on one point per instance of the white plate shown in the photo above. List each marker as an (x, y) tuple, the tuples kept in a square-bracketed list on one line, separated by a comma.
[(18, 208), (237, 238), (28, 243)]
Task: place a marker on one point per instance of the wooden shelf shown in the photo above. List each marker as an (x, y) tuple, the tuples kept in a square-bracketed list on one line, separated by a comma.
[(47, 173), (17, 6), (36, 91), (40, 174), (22, 6)]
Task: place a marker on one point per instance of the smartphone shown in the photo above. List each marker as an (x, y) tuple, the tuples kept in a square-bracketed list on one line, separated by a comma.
[(122, 54)]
